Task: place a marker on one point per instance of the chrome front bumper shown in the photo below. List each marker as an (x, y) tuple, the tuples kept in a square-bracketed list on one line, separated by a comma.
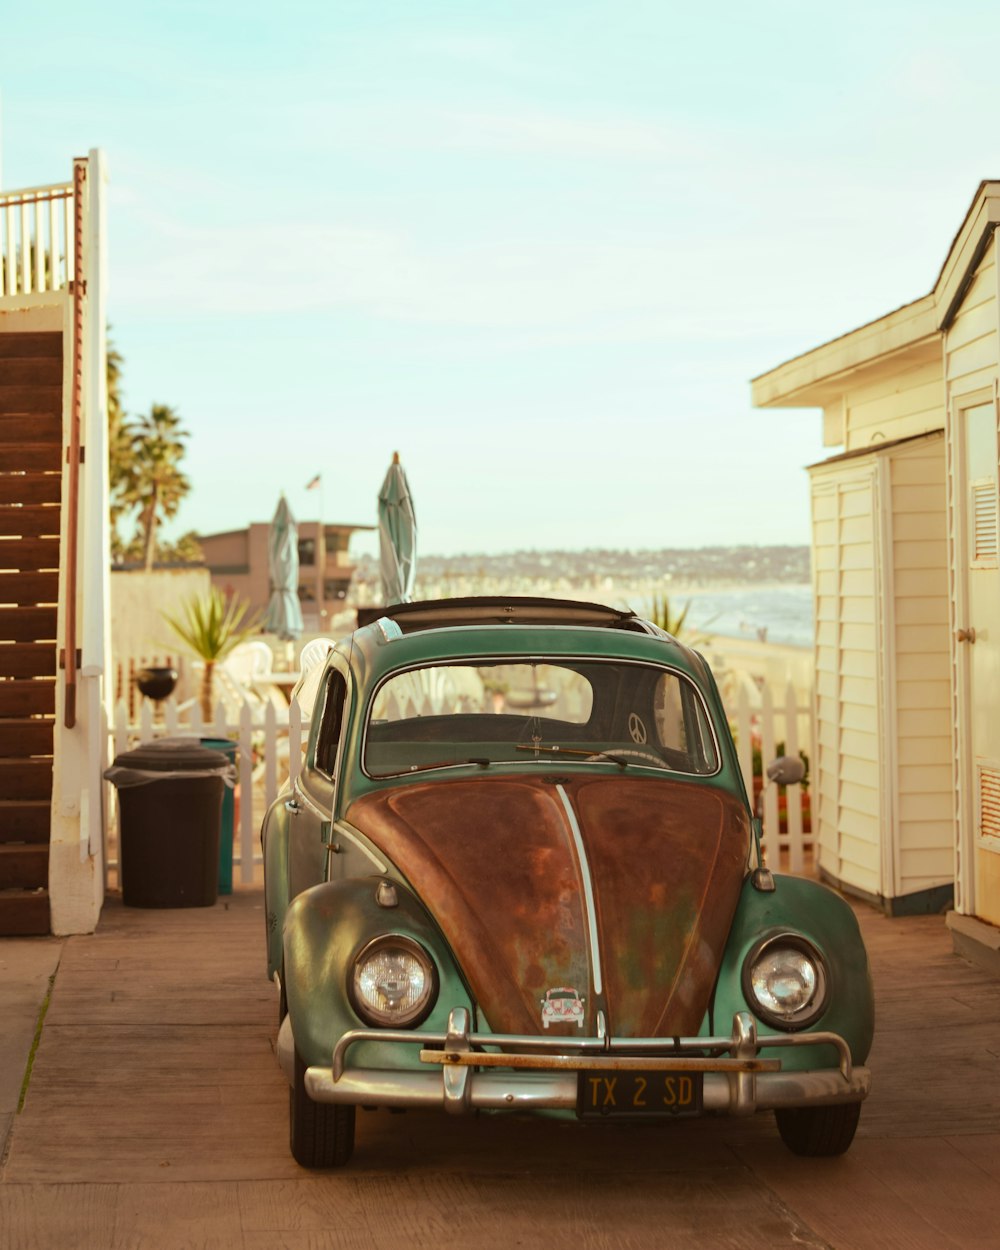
[(531, 1073)]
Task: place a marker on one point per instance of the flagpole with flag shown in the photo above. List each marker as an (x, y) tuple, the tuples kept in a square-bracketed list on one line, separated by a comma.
[(316, 483)]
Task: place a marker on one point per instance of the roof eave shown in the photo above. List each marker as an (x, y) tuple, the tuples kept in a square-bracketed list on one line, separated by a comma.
[(812, 379)]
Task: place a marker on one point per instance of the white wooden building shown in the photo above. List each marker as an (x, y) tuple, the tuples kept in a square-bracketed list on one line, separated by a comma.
[(907, 592)]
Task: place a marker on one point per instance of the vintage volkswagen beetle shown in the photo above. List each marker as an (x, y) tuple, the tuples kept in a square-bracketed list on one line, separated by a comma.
[(518, 871)]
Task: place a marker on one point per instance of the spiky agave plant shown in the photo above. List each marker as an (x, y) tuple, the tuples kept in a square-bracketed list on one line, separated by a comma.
[(660, 613), (211, 626)]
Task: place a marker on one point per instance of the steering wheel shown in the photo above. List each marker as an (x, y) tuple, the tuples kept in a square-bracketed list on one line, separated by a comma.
[(629, 753)]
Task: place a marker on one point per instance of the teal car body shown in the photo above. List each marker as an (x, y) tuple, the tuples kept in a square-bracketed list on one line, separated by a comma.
[(518, 870)]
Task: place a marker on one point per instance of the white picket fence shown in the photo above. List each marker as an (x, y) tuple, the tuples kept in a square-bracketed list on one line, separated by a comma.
[(270, 754), (781, 717)]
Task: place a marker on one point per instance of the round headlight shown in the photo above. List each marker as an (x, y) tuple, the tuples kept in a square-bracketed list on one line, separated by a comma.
[(784, 980), (394, 982)]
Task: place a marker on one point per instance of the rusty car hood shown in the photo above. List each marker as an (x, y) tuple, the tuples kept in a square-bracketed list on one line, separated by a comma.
[(527, 875)]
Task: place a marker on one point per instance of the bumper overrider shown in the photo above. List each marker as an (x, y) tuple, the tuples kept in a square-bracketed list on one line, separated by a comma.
[(525, 1073)]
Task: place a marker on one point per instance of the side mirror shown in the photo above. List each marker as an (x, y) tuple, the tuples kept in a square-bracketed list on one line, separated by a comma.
[(786, 770)]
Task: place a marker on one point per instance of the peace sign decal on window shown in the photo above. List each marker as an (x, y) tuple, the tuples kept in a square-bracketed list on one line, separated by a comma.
[(637, 730)]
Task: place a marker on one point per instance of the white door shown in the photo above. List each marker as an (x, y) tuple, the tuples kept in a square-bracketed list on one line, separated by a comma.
[(977, 642)]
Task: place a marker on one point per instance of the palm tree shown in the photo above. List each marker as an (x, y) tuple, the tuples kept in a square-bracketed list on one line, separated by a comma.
[(154, 483), (211, 626), (186, 550)]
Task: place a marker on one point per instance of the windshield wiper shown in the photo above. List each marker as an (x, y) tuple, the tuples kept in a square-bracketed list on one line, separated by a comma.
[(556, 748), (481, 760)]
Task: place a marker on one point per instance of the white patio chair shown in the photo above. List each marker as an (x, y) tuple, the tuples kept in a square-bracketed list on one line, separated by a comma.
[(314, 653), (249, 661)]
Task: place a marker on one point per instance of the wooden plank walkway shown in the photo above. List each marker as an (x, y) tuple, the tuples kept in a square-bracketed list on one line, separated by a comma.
[(156, 1117), (26, 964)]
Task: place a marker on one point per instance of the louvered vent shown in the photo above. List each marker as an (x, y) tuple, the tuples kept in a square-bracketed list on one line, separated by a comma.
[(989, 801), (984, 522)]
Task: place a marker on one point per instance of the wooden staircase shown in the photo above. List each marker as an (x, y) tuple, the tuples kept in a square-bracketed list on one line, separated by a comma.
[(31, 454)]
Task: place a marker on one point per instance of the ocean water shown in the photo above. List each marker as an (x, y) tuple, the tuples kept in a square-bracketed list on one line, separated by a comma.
[(782, 614)]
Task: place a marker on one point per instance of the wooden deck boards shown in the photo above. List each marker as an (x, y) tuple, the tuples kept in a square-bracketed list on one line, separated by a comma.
[(156, 1117)]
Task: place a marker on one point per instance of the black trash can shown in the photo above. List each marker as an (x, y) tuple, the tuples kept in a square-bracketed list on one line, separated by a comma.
[(170, 800)]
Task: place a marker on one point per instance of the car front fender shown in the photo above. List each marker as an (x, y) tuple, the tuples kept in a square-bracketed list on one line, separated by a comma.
[(805, 907), (325, 929)]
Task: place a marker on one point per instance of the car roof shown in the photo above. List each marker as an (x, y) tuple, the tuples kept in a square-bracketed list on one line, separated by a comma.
[(502, 610), (447, 630)]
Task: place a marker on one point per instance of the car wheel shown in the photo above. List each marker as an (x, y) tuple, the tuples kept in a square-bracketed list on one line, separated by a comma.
[(321, 1134), (818, 1131)]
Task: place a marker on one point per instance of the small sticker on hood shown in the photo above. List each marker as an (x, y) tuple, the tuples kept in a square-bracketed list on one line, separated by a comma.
[(562, 1005)]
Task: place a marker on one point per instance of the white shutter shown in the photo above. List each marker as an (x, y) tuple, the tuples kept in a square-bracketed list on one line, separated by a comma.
[(983, 504), (989, 801)]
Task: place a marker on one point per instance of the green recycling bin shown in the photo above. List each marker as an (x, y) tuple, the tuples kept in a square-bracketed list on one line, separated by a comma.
[(226, 830)]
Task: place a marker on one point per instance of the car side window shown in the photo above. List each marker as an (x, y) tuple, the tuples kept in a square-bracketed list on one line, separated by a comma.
[(681, 726), (328, 741)]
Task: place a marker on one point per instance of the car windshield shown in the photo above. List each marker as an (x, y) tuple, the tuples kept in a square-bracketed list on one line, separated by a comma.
[(483, 713)]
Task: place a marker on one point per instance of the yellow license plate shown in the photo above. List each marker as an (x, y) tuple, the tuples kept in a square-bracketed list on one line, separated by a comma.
[(639, 1094)]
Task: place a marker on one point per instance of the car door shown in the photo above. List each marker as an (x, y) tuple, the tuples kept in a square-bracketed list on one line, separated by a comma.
[(314, 795)]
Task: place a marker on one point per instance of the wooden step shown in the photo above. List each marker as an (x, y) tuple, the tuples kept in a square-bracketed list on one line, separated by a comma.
[(24, 913), (28, 624), (27, 427), (29, 821), (29, 554), (28, 589), (37, 343), (24, 866), (32, 457), (27, 659), (32, 370), (35, 696), (30, 488), (31, 398), (33, 520), (24, 736), (26, 779)]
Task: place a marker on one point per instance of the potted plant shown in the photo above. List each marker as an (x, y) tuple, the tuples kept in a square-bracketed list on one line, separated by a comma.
[(211, 626)]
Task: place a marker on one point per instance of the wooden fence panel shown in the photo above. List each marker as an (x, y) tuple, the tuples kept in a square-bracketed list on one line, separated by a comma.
[(261, 756), (758, 733)]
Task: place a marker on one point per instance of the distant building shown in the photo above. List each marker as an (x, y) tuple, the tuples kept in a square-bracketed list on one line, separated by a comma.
[(237, 562)]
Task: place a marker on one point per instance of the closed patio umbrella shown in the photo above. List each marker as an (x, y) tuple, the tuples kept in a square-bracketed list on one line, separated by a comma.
[(397, 535), (284, 614)]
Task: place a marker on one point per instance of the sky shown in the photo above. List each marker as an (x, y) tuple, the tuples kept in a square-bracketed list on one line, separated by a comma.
[(539, 248)]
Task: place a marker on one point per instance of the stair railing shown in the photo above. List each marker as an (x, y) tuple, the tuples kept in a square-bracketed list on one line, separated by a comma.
[(78, 287), (35, 251)]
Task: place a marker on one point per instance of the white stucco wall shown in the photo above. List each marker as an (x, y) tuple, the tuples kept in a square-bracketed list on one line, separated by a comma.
[(138, 629)]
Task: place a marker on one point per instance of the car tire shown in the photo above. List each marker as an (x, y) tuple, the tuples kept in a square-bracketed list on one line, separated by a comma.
[(321, 1135), (818, 1131)]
